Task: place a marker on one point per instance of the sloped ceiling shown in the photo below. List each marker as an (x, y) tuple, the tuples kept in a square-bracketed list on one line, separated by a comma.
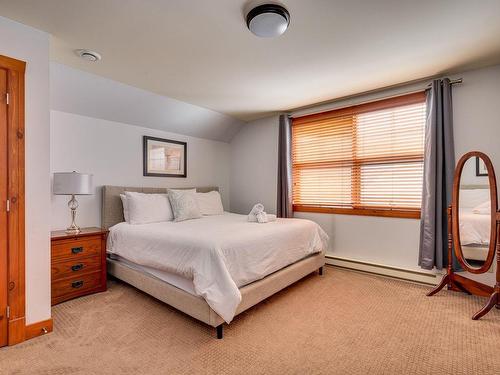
[(74, 91)]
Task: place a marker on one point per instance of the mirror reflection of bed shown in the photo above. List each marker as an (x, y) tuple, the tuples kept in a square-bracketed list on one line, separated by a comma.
[(475, 220)]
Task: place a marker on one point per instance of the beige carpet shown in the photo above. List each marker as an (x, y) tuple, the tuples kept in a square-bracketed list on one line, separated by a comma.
[(342, 323)]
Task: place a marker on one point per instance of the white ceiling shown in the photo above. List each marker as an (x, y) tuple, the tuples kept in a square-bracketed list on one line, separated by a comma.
[(200, 52)]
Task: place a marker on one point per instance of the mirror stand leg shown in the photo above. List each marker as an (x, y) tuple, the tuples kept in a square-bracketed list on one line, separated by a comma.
[(445, 281), (493, 301), (448, 278)]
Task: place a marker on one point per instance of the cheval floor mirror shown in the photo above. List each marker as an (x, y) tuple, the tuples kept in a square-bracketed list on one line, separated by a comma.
[(474, 232)]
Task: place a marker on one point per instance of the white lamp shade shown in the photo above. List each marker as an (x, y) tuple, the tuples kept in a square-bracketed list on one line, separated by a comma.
[(68, 183)]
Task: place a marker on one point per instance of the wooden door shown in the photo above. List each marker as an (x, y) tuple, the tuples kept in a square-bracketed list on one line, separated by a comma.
[(3, 208)]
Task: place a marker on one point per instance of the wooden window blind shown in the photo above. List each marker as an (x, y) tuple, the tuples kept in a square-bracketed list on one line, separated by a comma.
[(365, 159)]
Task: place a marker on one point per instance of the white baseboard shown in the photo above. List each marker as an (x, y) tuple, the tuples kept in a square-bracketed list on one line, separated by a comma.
[(429, 277)]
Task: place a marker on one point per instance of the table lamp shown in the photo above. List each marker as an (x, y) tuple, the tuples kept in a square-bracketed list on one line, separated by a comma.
[(72, 183)]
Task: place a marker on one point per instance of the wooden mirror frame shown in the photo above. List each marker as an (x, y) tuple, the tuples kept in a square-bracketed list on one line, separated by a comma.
[(455, 209), (460, 283)]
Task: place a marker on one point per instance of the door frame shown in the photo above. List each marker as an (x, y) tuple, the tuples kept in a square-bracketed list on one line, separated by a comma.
[(16, 217)]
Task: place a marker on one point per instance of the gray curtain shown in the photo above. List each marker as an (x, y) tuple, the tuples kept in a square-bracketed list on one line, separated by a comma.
[(284, 206), (439, 165)]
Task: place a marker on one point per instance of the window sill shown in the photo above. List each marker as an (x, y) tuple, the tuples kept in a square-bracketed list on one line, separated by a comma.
[(404, 214)]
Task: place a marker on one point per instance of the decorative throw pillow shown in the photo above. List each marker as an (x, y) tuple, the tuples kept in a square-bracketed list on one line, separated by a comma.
[(148, 208), (184, 204), (210, 203), (125, 207)]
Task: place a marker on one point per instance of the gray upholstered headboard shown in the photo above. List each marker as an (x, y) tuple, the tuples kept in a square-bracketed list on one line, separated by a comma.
[(112, 209)]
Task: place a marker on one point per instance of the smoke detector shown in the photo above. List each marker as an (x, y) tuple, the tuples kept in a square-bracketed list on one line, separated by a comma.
[(88, 55)]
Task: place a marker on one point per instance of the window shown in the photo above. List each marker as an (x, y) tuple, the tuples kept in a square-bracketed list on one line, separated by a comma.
[(363, 160)]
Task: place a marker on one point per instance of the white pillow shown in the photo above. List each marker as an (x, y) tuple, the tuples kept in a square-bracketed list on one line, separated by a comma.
[(210, 203), (125, 207), (148, 208), (184, 204)]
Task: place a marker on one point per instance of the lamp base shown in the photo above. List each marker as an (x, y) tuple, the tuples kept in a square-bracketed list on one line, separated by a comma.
[(73, 205), (73, 229)]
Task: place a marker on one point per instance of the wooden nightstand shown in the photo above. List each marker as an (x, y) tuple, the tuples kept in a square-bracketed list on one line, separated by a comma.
[(78, 263)]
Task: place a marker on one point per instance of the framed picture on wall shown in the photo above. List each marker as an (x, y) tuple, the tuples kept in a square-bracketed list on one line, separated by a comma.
[(164, 157), (481, 169)]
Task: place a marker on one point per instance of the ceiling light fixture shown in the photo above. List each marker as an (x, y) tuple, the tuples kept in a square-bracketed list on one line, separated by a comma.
[(88, 55), (268, 20)]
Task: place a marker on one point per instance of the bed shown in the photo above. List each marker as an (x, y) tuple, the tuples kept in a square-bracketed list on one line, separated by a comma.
[(228, 266), (474, 225)]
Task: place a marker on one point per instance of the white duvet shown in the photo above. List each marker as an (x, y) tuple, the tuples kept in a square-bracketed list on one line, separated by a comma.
[(219, 253), (474, 228)]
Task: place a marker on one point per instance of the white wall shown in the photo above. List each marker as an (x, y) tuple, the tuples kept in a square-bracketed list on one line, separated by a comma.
[(469, 174), (254, 159), (30, 45), (388, 241), (476, 115), (112, 152)]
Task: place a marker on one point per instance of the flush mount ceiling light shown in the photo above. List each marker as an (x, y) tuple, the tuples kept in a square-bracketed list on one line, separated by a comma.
[(268, 20), (88, 55)]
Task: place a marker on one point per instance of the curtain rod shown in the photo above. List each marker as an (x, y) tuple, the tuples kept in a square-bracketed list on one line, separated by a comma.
[(452, 82), (312, 109)]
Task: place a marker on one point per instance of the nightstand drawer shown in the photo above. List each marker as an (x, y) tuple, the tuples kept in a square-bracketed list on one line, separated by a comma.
[(78, 248), (76, 267), (75, 286)]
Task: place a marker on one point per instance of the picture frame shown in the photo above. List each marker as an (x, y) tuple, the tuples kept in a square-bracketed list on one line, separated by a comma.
[(481, 169), (164, 157)]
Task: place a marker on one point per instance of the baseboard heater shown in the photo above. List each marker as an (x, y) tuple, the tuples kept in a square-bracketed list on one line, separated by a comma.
[(380, 269)]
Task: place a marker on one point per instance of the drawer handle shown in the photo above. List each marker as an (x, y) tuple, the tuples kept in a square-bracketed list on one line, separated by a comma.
[(77, 284), (77, 250), (77, 267)]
